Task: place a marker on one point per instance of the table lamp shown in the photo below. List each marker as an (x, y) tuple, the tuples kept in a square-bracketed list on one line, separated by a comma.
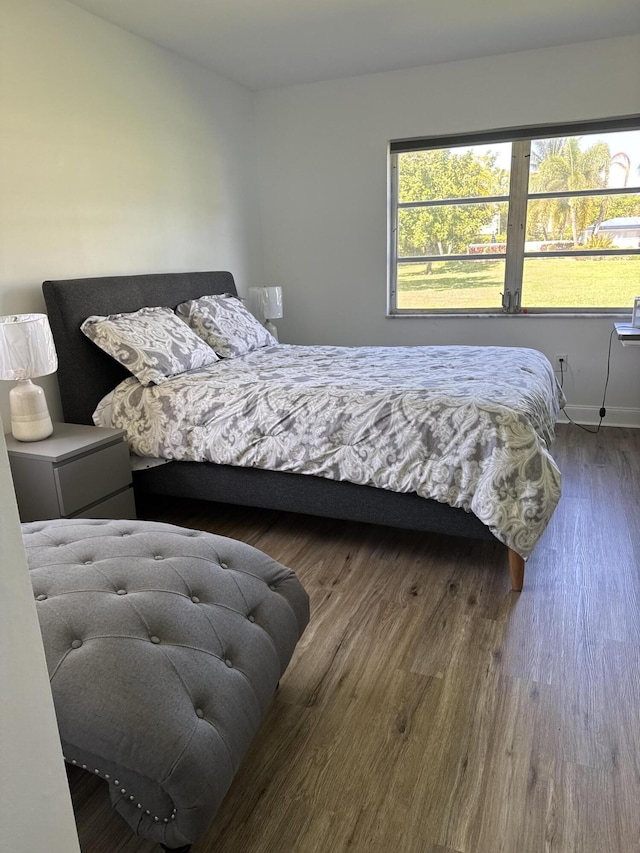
[(267, 302), (27, 351)]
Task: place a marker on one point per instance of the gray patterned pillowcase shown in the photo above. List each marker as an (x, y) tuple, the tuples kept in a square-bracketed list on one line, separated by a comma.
[(152, 343), (225, 324)]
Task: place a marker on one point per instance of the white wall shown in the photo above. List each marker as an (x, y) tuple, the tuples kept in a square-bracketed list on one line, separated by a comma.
[(323, 181), (116, 156), (35, 806)]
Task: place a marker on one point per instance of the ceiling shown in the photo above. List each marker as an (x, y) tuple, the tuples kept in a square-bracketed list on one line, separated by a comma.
[(266, 43)]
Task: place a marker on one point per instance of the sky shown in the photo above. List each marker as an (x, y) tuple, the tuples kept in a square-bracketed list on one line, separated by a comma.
[(627, 141)]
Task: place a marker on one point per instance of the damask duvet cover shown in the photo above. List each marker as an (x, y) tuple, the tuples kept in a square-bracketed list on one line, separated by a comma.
[(468, 426)]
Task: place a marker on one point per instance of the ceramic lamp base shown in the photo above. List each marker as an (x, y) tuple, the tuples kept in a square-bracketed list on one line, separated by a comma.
[(30, 419), (270, 327)]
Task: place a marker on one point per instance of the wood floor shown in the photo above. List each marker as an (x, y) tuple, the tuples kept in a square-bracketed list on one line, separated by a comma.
[(429, 709)]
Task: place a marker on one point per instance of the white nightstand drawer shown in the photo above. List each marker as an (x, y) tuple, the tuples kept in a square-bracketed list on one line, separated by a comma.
[(88, 479)]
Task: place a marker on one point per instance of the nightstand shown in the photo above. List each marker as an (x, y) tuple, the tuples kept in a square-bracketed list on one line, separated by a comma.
[(78, 472)]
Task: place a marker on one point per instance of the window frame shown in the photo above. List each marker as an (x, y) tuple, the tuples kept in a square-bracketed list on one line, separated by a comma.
[(517, 199)]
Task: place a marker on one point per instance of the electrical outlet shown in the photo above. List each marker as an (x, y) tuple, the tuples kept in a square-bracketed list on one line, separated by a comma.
[(560, 357)]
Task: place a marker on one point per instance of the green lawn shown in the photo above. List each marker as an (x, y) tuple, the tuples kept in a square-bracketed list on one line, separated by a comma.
[(548, 283)]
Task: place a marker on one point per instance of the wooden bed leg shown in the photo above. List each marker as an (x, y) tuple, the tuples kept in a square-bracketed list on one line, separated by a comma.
[(516, 570)]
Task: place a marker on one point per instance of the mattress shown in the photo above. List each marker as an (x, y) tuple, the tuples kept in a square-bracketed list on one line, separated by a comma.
[(468, 426)]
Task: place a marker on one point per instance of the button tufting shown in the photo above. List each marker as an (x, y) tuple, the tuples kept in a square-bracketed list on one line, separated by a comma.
[(225, 601)]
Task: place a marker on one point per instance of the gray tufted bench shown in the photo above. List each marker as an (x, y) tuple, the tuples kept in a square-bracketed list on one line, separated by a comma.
[(164, 648)]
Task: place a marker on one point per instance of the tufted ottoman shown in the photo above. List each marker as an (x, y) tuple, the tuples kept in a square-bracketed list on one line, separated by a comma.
[(164, 647)]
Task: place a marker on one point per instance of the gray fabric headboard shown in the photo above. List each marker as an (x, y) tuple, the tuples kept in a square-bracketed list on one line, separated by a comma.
[(85, 373)]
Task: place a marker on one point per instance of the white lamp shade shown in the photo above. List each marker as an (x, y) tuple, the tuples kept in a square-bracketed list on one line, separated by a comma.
[(266, 302), (272, 303), (26, 347)]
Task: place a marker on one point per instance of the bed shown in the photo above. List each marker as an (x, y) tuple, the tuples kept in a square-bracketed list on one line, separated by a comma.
[(87, 376)]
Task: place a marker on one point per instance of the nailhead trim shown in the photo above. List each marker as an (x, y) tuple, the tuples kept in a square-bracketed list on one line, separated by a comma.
[(116, 782)]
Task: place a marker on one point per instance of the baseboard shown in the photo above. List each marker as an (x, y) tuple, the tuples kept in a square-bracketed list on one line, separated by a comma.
[(617, 416)]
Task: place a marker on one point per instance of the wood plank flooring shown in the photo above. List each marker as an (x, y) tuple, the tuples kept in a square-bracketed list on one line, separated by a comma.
[(429, 709)]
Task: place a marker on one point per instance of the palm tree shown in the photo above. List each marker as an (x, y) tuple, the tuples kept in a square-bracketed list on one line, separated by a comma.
[(624, 162), (560, 164), (542, 149)]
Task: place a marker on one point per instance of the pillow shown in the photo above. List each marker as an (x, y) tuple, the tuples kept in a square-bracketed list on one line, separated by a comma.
[(151, 343), (225, 324)]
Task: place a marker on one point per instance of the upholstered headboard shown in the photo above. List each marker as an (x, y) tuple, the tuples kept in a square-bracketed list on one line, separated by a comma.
[(85, 373)]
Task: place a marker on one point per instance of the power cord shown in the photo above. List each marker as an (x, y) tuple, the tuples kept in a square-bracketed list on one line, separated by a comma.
[(603, 411)]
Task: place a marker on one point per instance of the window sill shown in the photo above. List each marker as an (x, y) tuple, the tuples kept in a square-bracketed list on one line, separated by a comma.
[(583, 315)]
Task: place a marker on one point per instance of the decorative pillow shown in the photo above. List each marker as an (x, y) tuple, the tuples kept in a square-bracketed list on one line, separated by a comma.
[(151, 343), (225, 324)]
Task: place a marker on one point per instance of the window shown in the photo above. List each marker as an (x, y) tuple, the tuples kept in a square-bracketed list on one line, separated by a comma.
[(524, 221)]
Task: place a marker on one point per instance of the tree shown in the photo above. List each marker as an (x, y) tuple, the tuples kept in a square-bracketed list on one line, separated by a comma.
[(558, 165), (439, 175)]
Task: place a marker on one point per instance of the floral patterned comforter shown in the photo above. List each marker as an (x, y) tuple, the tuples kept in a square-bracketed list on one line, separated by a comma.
[(467, 426)]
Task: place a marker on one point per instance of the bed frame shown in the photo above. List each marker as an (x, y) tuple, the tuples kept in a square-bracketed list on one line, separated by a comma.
[(86, 374)]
